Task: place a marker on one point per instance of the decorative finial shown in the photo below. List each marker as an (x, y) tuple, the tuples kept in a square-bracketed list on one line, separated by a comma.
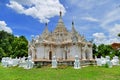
[(60, 12), (73, 21), (46, 24)]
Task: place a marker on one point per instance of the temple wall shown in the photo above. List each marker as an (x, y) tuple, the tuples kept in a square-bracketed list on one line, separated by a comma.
[(72, 52), (59, 52), (40, 52), (47, 52), (75, 50), (83, 56), (79, 51), (43, 52)]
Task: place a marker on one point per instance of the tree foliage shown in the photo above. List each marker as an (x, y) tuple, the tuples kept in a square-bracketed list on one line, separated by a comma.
[(105, 50), (12, 46), (94, 50), (119, 34)]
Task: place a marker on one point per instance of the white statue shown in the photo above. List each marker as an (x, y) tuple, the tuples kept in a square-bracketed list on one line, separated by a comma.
[(77, 63), (22, 62), (108, 62), (98, 61), (103, 60), (54, 62), (115, 60), (29, 63), (5, 61)]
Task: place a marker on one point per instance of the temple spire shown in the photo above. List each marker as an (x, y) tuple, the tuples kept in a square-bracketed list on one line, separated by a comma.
[(73, 28), (46, 28), (60, 25), (60, 21), (46, 24), (72, 24), (46, 31), (60, 13)]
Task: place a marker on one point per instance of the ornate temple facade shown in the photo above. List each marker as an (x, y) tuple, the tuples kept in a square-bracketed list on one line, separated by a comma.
[(63, 44)]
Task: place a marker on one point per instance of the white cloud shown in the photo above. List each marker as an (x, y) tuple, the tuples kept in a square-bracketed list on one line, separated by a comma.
[(17, 36), (88, 4), (101, 38), (3, 26), (16, 6), (39, 9), (102, 11), (115, 30), (24, 2), (110, 17), (90, 19)]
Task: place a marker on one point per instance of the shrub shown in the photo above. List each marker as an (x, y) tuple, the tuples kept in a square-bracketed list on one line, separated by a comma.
[(62, 66), (38, 65), (106, 65)]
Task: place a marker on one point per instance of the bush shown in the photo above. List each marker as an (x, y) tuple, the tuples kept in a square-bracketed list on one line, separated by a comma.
[(106, 65), (38, 65), (62, 66), (49, 65)]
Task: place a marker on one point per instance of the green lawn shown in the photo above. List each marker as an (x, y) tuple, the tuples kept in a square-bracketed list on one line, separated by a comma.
[(69, 73)]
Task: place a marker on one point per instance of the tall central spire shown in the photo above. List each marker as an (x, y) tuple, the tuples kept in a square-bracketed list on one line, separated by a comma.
[(60, 25), (60, 21)]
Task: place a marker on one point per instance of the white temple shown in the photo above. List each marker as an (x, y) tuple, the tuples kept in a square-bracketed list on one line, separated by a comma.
[(61, 43)]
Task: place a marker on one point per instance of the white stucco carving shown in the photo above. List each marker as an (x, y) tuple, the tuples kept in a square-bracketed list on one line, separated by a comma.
[(61, 43)]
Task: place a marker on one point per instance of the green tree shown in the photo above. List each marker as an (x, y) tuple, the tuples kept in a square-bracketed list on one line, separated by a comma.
[(2, 53), (5, 40), (11, 46), (95, 53), (106, 50), (20, 48), (119, 34)]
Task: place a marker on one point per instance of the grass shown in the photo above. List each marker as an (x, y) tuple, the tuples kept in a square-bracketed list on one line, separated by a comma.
[(68, 73)]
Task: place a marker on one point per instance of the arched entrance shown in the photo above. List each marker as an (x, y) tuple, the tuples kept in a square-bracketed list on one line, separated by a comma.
[(87, 54), (50, 55), (65, 54)]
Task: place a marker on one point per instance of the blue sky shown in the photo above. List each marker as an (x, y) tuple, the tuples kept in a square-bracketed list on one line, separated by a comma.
[(95, 19)]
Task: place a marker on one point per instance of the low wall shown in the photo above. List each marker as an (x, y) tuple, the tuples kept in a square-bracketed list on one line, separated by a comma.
[(69, 63)]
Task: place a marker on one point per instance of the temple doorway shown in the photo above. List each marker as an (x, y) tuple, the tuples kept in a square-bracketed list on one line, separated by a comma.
[(87, 54), (66, 55), (50, 55)]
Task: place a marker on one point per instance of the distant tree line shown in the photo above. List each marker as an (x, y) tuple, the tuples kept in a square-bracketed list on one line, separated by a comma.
[(12, 46), (105, 50)]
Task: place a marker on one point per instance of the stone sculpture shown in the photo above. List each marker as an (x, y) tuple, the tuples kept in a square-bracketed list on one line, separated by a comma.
[(54, 62), (77, 63)]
